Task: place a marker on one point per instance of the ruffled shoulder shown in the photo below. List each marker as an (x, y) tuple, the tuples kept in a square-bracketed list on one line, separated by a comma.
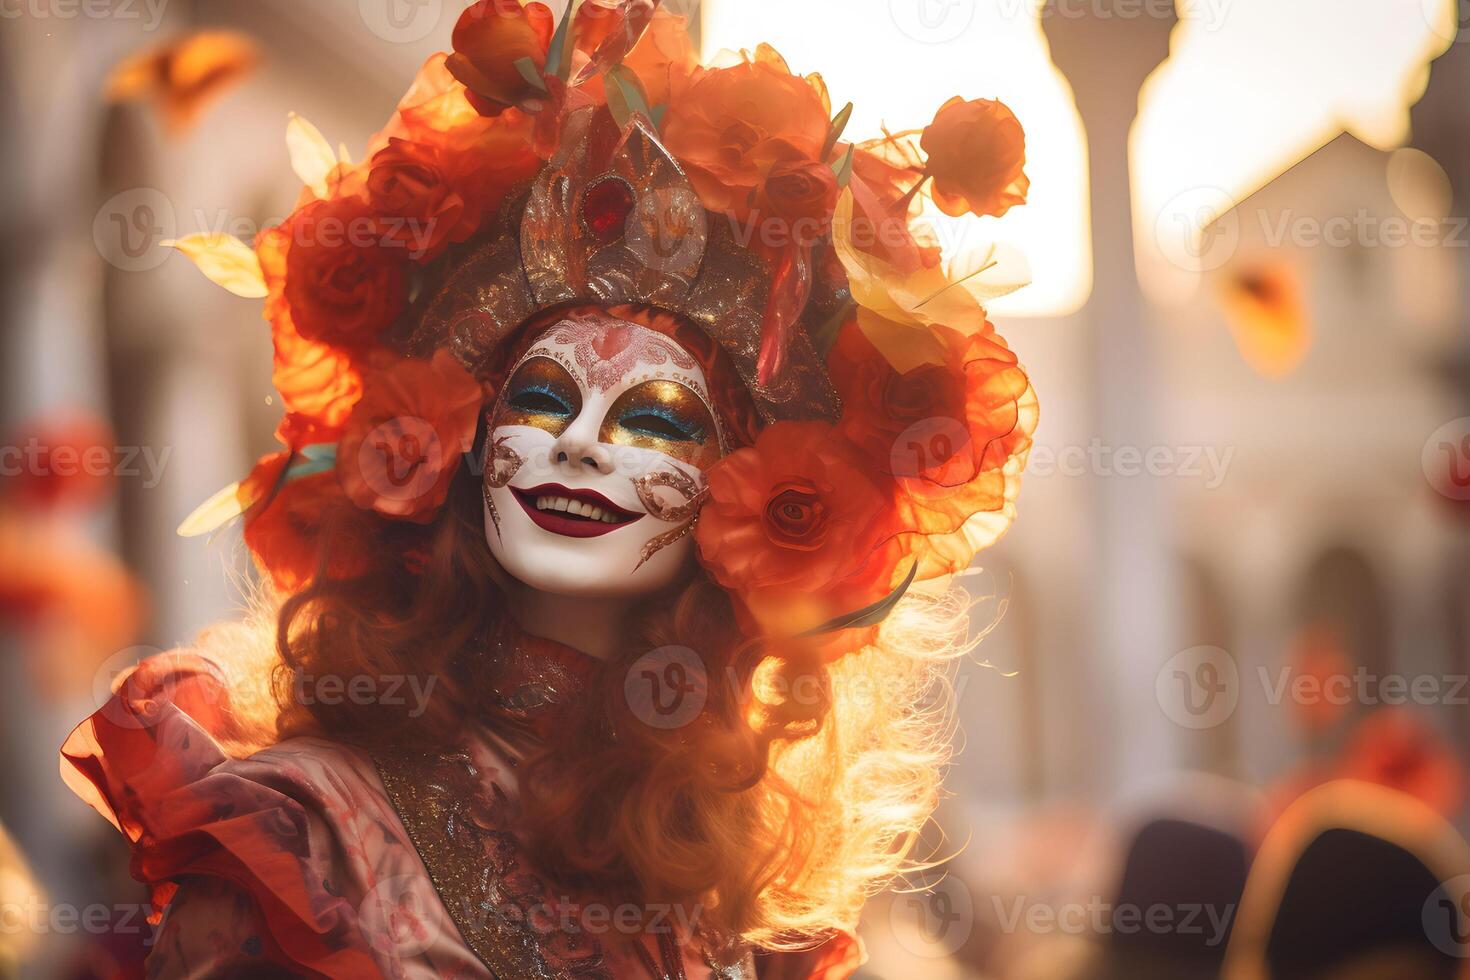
[(302, 828)]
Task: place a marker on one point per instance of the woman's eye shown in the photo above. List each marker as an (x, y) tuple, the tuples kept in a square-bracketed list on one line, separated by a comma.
[(657, 425), (539, 402)]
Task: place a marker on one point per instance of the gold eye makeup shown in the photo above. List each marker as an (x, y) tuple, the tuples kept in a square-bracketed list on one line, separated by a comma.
[(540, 394), (664, 416)]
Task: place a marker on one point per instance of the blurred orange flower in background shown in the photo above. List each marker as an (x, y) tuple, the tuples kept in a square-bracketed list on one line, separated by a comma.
[(976, 154), (75, 602), (732, 127), (182, 76), (1266, 308)]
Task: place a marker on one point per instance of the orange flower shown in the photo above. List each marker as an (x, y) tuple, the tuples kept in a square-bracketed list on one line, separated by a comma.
[(665, 56), (302, 523), (802, 194), (343, 286), (489, 38), (1394, 747), (405, 438), (953, 436), (318, 383), (880, 183), (182, 76), (976, 154), (731, 127), (66, 461), (796, 528), (420, 193)]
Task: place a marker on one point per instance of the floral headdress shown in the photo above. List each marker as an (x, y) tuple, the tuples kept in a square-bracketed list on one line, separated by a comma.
[(593, 160)]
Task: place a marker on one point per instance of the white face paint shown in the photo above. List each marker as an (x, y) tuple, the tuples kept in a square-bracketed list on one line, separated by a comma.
[(598, 444)]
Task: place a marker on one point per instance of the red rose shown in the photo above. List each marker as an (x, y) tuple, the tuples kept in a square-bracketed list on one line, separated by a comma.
[(343, 287), (796, 528), (404, 441), (421, 199)]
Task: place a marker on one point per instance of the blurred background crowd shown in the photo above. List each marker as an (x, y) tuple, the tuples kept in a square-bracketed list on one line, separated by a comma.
[(1220, 723)]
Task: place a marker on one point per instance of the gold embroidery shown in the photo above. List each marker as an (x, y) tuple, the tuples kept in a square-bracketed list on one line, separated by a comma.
[(500, 908)]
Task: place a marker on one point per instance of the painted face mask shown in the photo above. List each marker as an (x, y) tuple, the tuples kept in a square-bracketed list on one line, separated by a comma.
[(594, 474)]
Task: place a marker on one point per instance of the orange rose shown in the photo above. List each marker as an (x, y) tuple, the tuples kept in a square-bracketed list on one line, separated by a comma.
[(342, 285), (68, 461), (663, 57), (976, 154), (951, 435), (307, 524), (418, 191), (489, 38), (731, 127), (796, 528), (318, 383), (801, 194), (405, 438)]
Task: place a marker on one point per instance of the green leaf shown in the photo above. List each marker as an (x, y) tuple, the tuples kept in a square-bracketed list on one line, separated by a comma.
[(528, 71), (558, 59), (839, 124), (625, 96), (843, 168), (868, 615)]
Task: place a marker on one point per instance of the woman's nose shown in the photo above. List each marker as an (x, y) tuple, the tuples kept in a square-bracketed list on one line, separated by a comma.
[(578, 448)]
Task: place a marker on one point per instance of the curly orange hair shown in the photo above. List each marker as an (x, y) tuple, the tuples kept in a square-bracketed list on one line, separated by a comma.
[(800, 790)]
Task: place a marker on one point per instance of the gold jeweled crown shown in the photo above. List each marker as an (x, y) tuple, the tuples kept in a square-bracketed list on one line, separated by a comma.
[(613, 219)]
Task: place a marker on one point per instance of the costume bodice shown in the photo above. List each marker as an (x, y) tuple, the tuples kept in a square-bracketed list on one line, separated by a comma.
[(318, 859)]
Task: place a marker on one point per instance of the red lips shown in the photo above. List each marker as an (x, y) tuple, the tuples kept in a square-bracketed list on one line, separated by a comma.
[(573, 525)]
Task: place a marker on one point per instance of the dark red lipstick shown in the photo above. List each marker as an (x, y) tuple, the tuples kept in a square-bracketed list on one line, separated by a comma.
[(569, 523)]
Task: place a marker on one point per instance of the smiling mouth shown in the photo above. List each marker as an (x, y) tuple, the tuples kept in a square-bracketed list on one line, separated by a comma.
[(573, 513)]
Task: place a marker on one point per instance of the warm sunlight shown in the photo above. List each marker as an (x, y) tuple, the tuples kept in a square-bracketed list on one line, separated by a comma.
[(1241, 101), (899, 62)]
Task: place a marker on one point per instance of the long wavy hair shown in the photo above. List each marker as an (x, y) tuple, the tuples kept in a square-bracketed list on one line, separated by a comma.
[(800, 789)]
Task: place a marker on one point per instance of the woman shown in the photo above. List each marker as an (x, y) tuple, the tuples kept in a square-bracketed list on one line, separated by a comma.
[(621, 421)]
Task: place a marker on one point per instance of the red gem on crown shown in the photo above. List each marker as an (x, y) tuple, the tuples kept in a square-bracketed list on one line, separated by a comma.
[(606, 206)]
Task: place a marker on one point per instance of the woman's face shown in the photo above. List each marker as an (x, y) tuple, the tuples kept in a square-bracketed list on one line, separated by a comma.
[(595, 470)]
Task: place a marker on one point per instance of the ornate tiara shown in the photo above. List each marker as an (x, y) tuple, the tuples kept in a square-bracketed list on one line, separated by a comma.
[(614, 219)]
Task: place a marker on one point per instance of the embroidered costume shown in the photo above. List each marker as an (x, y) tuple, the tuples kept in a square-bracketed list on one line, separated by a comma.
[(638, 326)]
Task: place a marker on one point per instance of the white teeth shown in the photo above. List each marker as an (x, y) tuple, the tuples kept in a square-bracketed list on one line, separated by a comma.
[(566, 505)]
